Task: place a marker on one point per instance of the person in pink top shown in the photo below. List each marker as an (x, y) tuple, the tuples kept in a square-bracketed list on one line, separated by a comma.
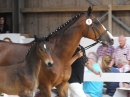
[(122, 51), (105, 50)]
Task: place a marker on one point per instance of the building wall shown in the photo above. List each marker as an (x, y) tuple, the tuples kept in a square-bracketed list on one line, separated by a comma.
[(42, 24), (5, 3)]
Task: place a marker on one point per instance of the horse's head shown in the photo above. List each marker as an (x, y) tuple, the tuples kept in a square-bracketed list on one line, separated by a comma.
[(95, 30), (43, 51)]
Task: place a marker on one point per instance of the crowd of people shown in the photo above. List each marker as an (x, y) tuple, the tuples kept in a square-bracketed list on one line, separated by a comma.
[(112, 60)]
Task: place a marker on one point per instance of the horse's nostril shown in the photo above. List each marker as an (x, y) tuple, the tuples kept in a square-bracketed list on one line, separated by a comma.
[(111, 42), (50, 64)]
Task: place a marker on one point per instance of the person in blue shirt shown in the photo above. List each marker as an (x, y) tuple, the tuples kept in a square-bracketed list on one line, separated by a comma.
[(92, 88), (106, 67)]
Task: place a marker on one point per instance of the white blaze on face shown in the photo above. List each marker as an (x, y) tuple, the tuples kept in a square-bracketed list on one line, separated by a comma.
[(110, 35), (45, 46)]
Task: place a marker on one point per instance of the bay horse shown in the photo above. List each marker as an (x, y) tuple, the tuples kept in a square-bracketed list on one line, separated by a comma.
[(63, 43), (22, 78)]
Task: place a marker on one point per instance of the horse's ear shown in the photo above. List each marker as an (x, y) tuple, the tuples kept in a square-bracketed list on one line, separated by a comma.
[(90, 10), (35, 37)]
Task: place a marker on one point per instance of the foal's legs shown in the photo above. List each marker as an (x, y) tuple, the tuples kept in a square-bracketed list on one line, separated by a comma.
[(63, 89)]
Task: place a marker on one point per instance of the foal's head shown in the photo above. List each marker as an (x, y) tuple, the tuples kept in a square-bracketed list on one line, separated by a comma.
[(43, 51)]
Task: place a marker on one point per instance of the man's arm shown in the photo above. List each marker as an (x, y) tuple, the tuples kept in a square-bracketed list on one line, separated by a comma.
[(78, 55)]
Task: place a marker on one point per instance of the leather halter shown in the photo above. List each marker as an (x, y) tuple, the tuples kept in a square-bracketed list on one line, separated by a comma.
[(95, 30)]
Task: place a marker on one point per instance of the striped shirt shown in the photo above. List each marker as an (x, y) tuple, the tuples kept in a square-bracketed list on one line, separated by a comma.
[(121, 53), (109, 50)]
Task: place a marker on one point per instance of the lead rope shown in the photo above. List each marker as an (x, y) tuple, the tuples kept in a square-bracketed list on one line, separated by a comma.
[(85, 59), (91, 45)]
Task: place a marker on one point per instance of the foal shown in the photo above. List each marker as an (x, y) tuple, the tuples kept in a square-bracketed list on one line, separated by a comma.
[(22, 78)]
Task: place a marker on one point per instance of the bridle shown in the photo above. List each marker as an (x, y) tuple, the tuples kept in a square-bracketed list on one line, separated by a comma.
[(95, 30)]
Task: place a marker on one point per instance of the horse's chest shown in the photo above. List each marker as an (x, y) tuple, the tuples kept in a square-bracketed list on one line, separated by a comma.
[(65, 74)]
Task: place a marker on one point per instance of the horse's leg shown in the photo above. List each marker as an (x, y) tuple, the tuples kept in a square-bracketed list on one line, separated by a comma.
[(62, 89), (45, 91)]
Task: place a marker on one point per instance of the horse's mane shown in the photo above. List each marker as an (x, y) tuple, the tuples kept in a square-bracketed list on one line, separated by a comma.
[(40, 39), (68, 23), (27, 52)]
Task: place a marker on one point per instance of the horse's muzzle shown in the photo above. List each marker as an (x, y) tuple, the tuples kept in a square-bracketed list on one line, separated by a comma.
[(111, 42), (49, 64)]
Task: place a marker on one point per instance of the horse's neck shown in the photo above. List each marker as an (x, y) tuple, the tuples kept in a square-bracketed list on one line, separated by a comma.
[(65, 43), (32, 61), (65, 46)]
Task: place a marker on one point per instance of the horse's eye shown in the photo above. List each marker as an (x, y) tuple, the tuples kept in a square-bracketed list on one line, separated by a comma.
[(41, 49), (45, 46)]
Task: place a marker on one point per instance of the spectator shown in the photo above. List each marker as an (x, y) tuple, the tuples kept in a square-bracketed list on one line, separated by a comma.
[(122, 51), (7, 39), (4, 28), (123, 65), (76, 79), (105, 49), (106, 67), (91, 88)]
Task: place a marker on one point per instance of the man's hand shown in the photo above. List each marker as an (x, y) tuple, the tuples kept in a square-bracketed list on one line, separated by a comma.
[(76, 56), (79, 54)]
